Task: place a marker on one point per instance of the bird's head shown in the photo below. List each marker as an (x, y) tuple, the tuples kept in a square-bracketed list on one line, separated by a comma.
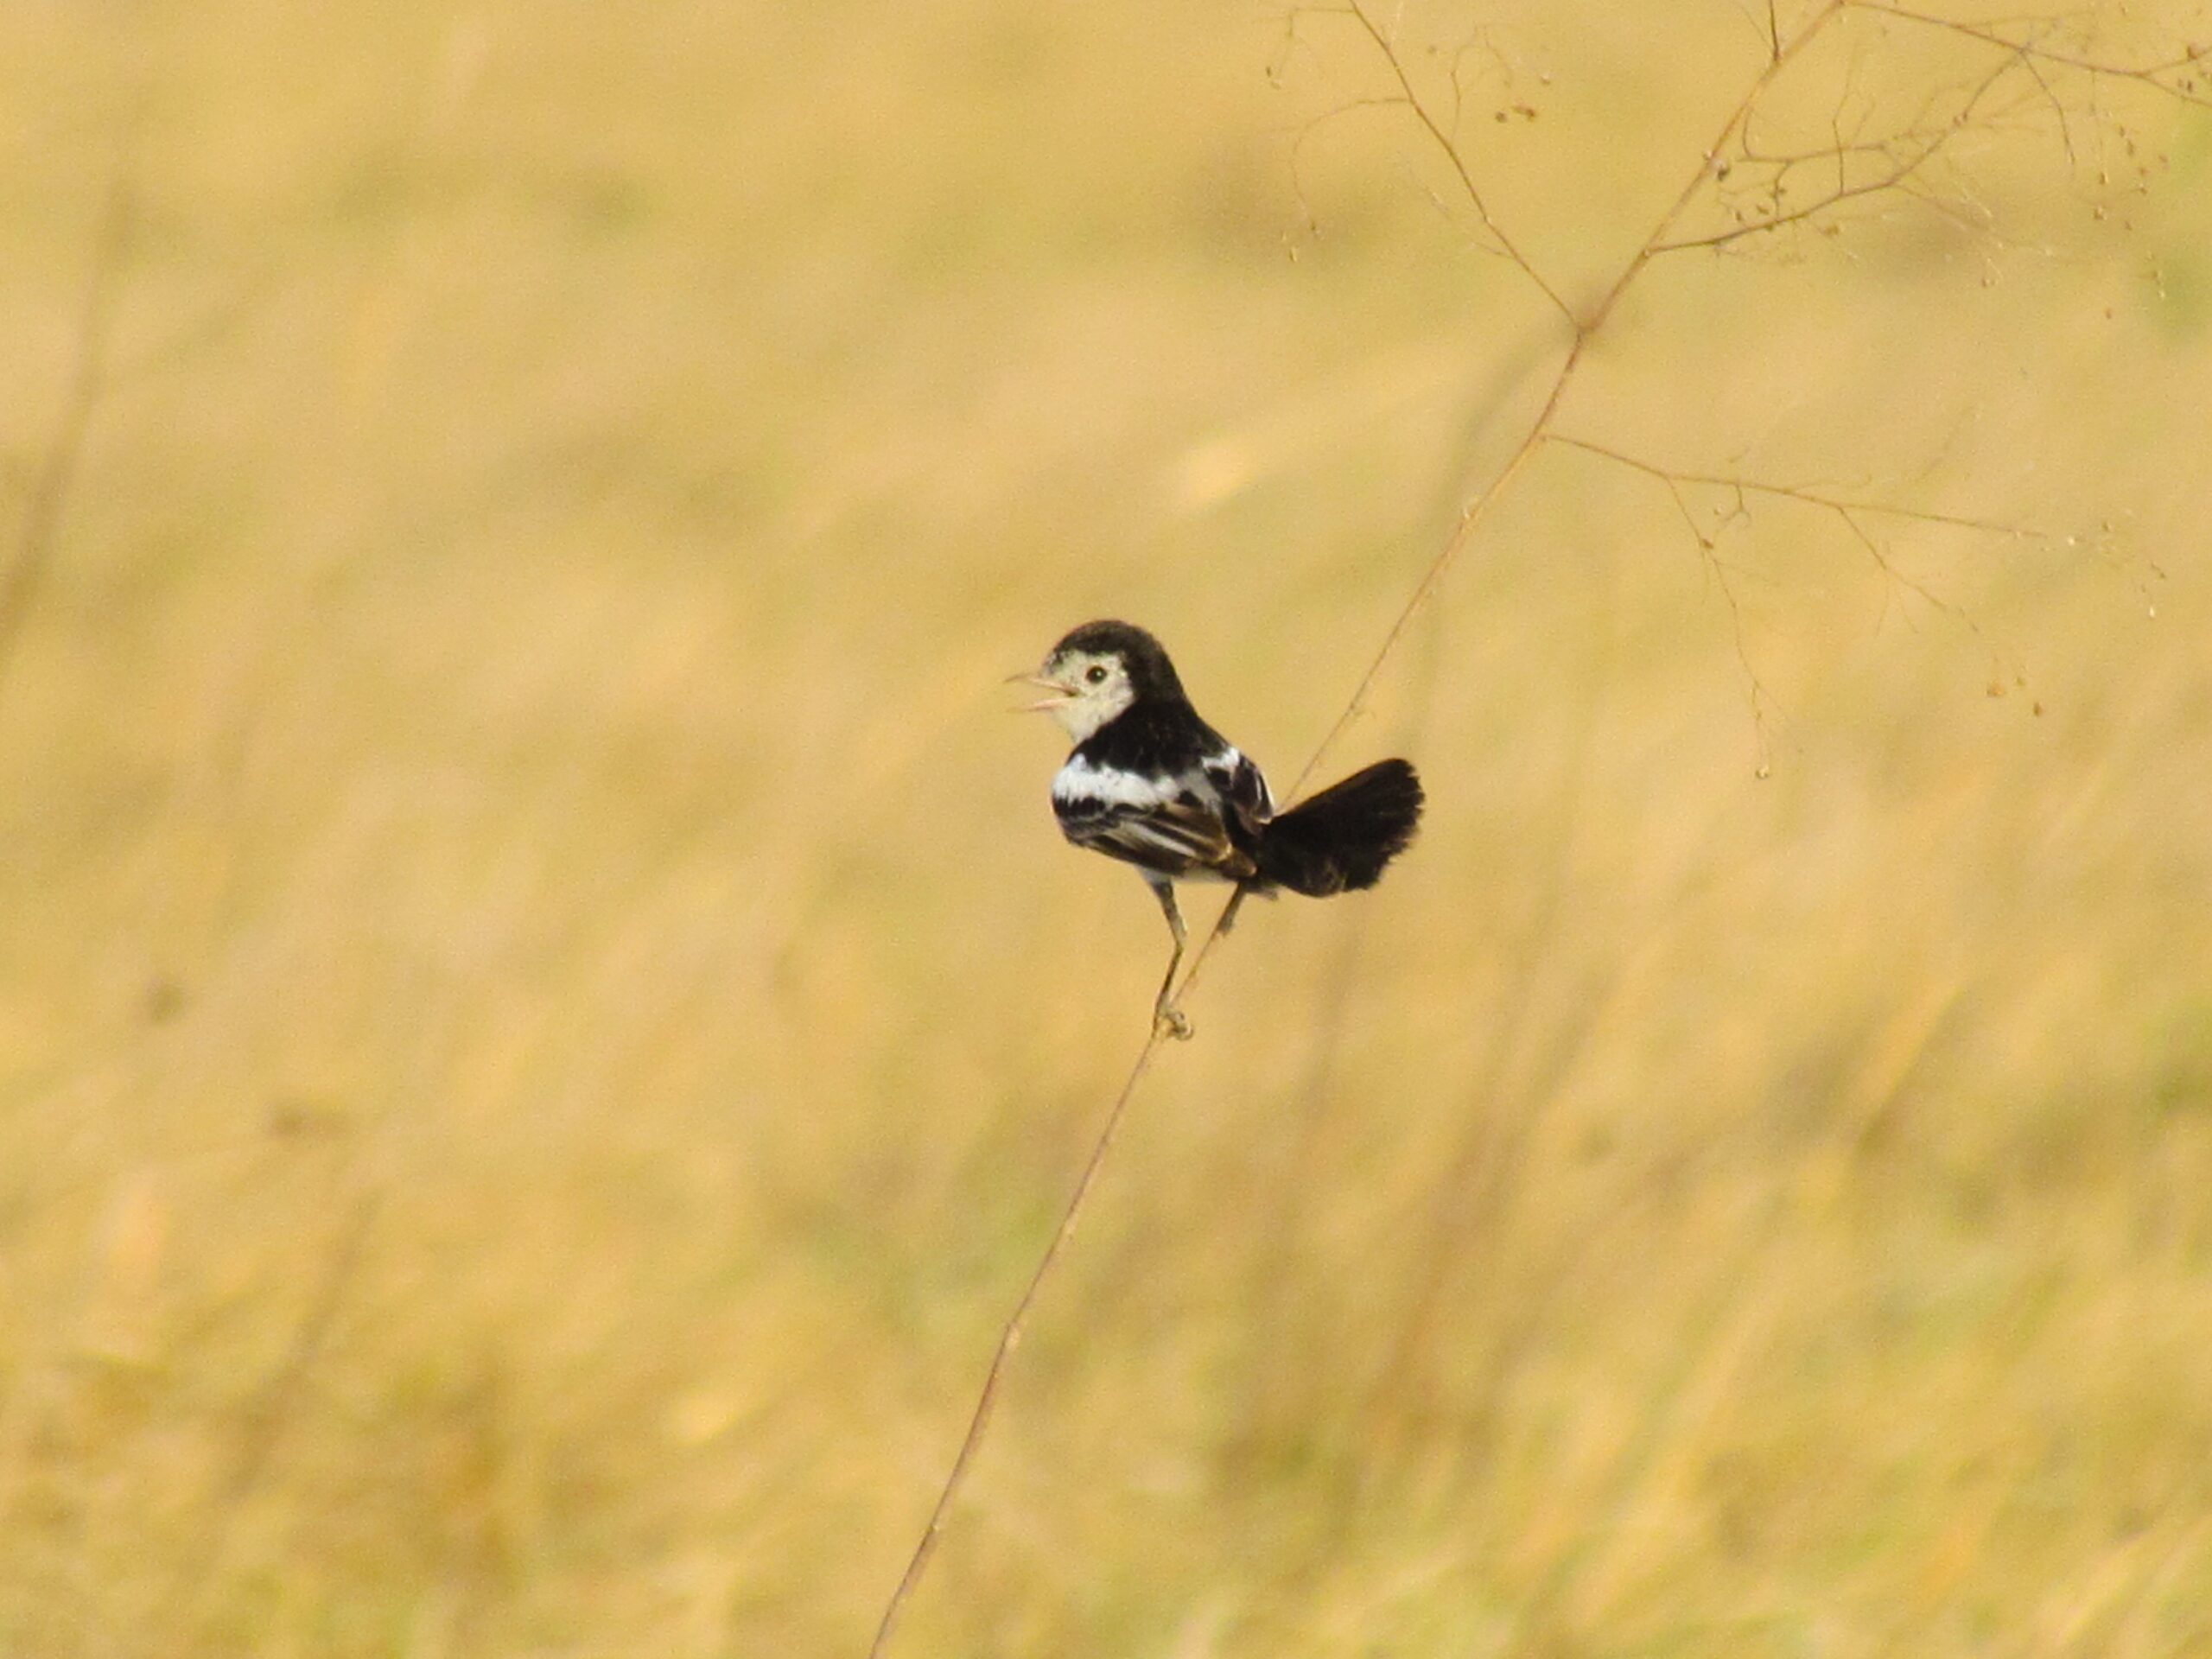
[(1097, 673)]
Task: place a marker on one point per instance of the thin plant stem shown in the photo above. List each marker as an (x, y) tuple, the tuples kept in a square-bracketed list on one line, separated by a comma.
[(1010, 1337), (1541, 431)]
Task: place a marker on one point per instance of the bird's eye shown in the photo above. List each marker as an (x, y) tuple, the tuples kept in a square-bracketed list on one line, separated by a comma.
[(1096, 673)]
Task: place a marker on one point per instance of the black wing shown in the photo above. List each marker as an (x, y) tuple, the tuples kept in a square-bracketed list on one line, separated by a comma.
[(1178, 837), (1162, 789), (1247, 802)]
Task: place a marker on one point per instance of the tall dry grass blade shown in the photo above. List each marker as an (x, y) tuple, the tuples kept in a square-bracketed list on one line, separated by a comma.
[(90, 342)]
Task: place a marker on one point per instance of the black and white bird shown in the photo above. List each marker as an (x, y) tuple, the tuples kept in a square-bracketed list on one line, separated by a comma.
[(1152, 784)]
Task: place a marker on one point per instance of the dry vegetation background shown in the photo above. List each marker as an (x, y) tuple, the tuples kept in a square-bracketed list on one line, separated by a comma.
[(543, 1020)]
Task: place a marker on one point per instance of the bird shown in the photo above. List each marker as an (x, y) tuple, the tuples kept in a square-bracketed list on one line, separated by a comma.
[(1150, 782)]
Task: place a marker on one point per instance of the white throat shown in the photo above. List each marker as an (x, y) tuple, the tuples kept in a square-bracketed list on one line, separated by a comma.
[(1080, 717)]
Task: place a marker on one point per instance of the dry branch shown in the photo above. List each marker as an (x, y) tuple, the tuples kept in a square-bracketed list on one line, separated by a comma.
[(1448, 143), (2186, 76), (1901, 157), (1849, 512)]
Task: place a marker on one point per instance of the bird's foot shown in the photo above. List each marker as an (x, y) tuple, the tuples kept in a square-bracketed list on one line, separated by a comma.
[(1172, 1020)]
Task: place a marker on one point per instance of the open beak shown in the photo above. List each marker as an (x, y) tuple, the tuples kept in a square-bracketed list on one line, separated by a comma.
[(1058, 693)]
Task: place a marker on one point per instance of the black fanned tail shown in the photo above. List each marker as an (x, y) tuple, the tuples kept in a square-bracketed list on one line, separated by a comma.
[(1339, 840)]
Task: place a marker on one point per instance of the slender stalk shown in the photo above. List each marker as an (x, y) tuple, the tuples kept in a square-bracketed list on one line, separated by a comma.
[(1010, 1338), (1471, 519)]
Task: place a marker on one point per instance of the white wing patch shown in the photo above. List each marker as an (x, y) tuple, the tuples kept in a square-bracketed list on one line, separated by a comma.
[(1239, 782), (1176, 824), (1079, 780)]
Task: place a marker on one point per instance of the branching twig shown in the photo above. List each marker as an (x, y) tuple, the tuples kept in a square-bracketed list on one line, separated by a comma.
[(1806, 494), (1448, 145), (1306, 134), (1902, 171), (1921, 146), (1476, 510), (1850, 511), (2184, 77), (1540, 428)]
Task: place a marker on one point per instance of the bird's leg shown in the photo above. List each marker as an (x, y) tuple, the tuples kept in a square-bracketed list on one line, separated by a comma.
[(1164, 1011), (1229, 911)]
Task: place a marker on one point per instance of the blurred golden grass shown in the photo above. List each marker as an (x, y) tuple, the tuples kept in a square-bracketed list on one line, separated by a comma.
[(543, 1020)]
